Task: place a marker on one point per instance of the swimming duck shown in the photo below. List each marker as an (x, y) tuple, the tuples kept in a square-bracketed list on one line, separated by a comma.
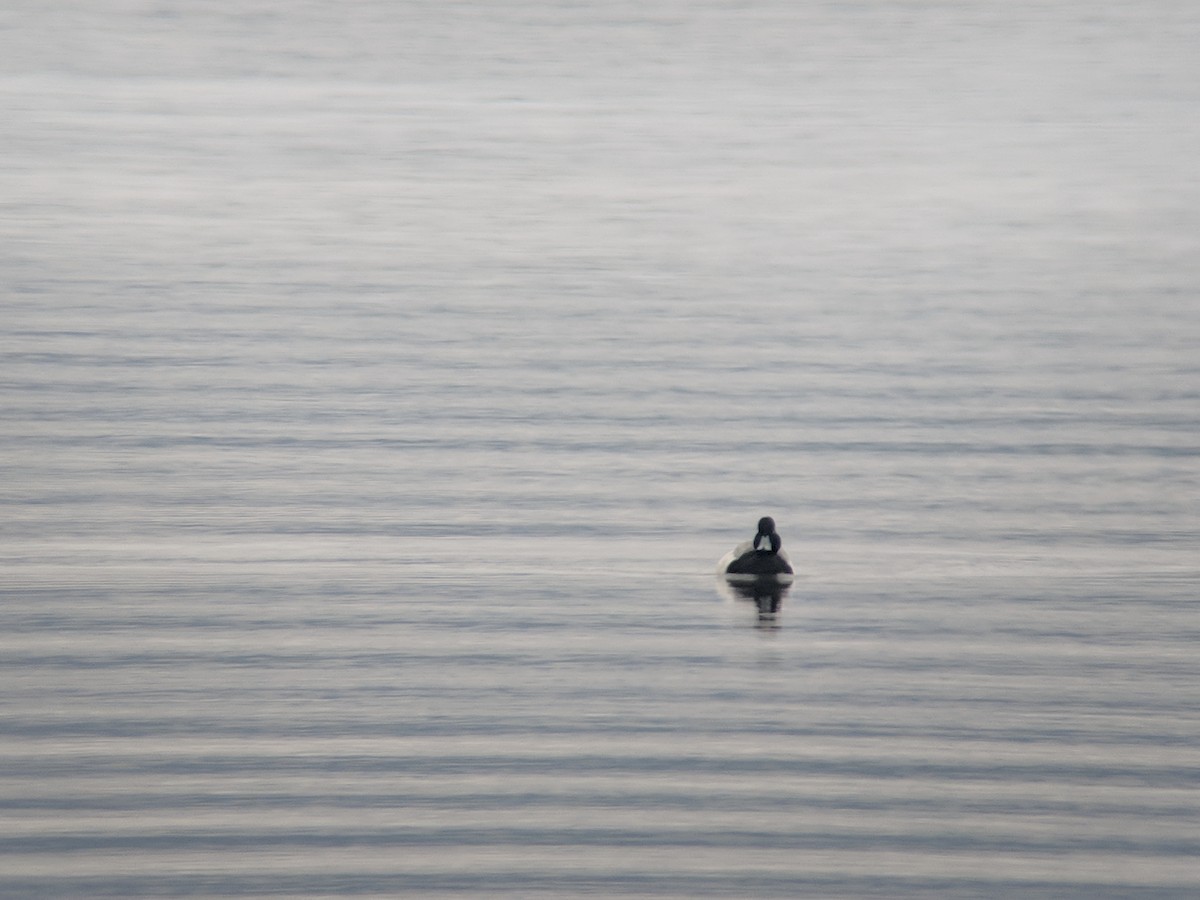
[(760, 559)]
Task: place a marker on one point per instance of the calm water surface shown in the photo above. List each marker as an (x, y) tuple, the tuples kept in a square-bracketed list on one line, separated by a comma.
[(381, 382)]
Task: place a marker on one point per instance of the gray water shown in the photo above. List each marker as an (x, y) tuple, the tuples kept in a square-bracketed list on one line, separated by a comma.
[(382, 381)]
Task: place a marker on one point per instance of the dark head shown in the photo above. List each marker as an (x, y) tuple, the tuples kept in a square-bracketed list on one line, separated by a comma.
[(766, 525)]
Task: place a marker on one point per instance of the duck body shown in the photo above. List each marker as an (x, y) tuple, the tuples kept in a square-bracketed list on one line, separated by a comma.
[(745, 565), (761, 560)]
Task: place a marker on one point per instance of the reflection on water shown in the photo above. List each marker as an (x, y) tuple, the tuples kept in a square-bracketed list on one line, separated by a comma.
[(766, 595)]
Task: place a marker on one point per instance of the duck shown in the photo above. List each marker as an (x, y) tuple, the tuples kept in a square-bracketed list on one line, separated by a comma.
[(762, 559)]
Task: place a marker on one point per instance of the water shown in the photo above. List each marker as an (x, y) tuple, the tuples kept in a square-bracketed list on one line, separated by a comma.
[(381, 383)]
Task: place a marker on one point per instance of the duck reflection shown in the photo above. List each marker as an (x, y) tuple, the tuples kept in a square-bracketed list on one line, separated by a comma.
[(767, 596)]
